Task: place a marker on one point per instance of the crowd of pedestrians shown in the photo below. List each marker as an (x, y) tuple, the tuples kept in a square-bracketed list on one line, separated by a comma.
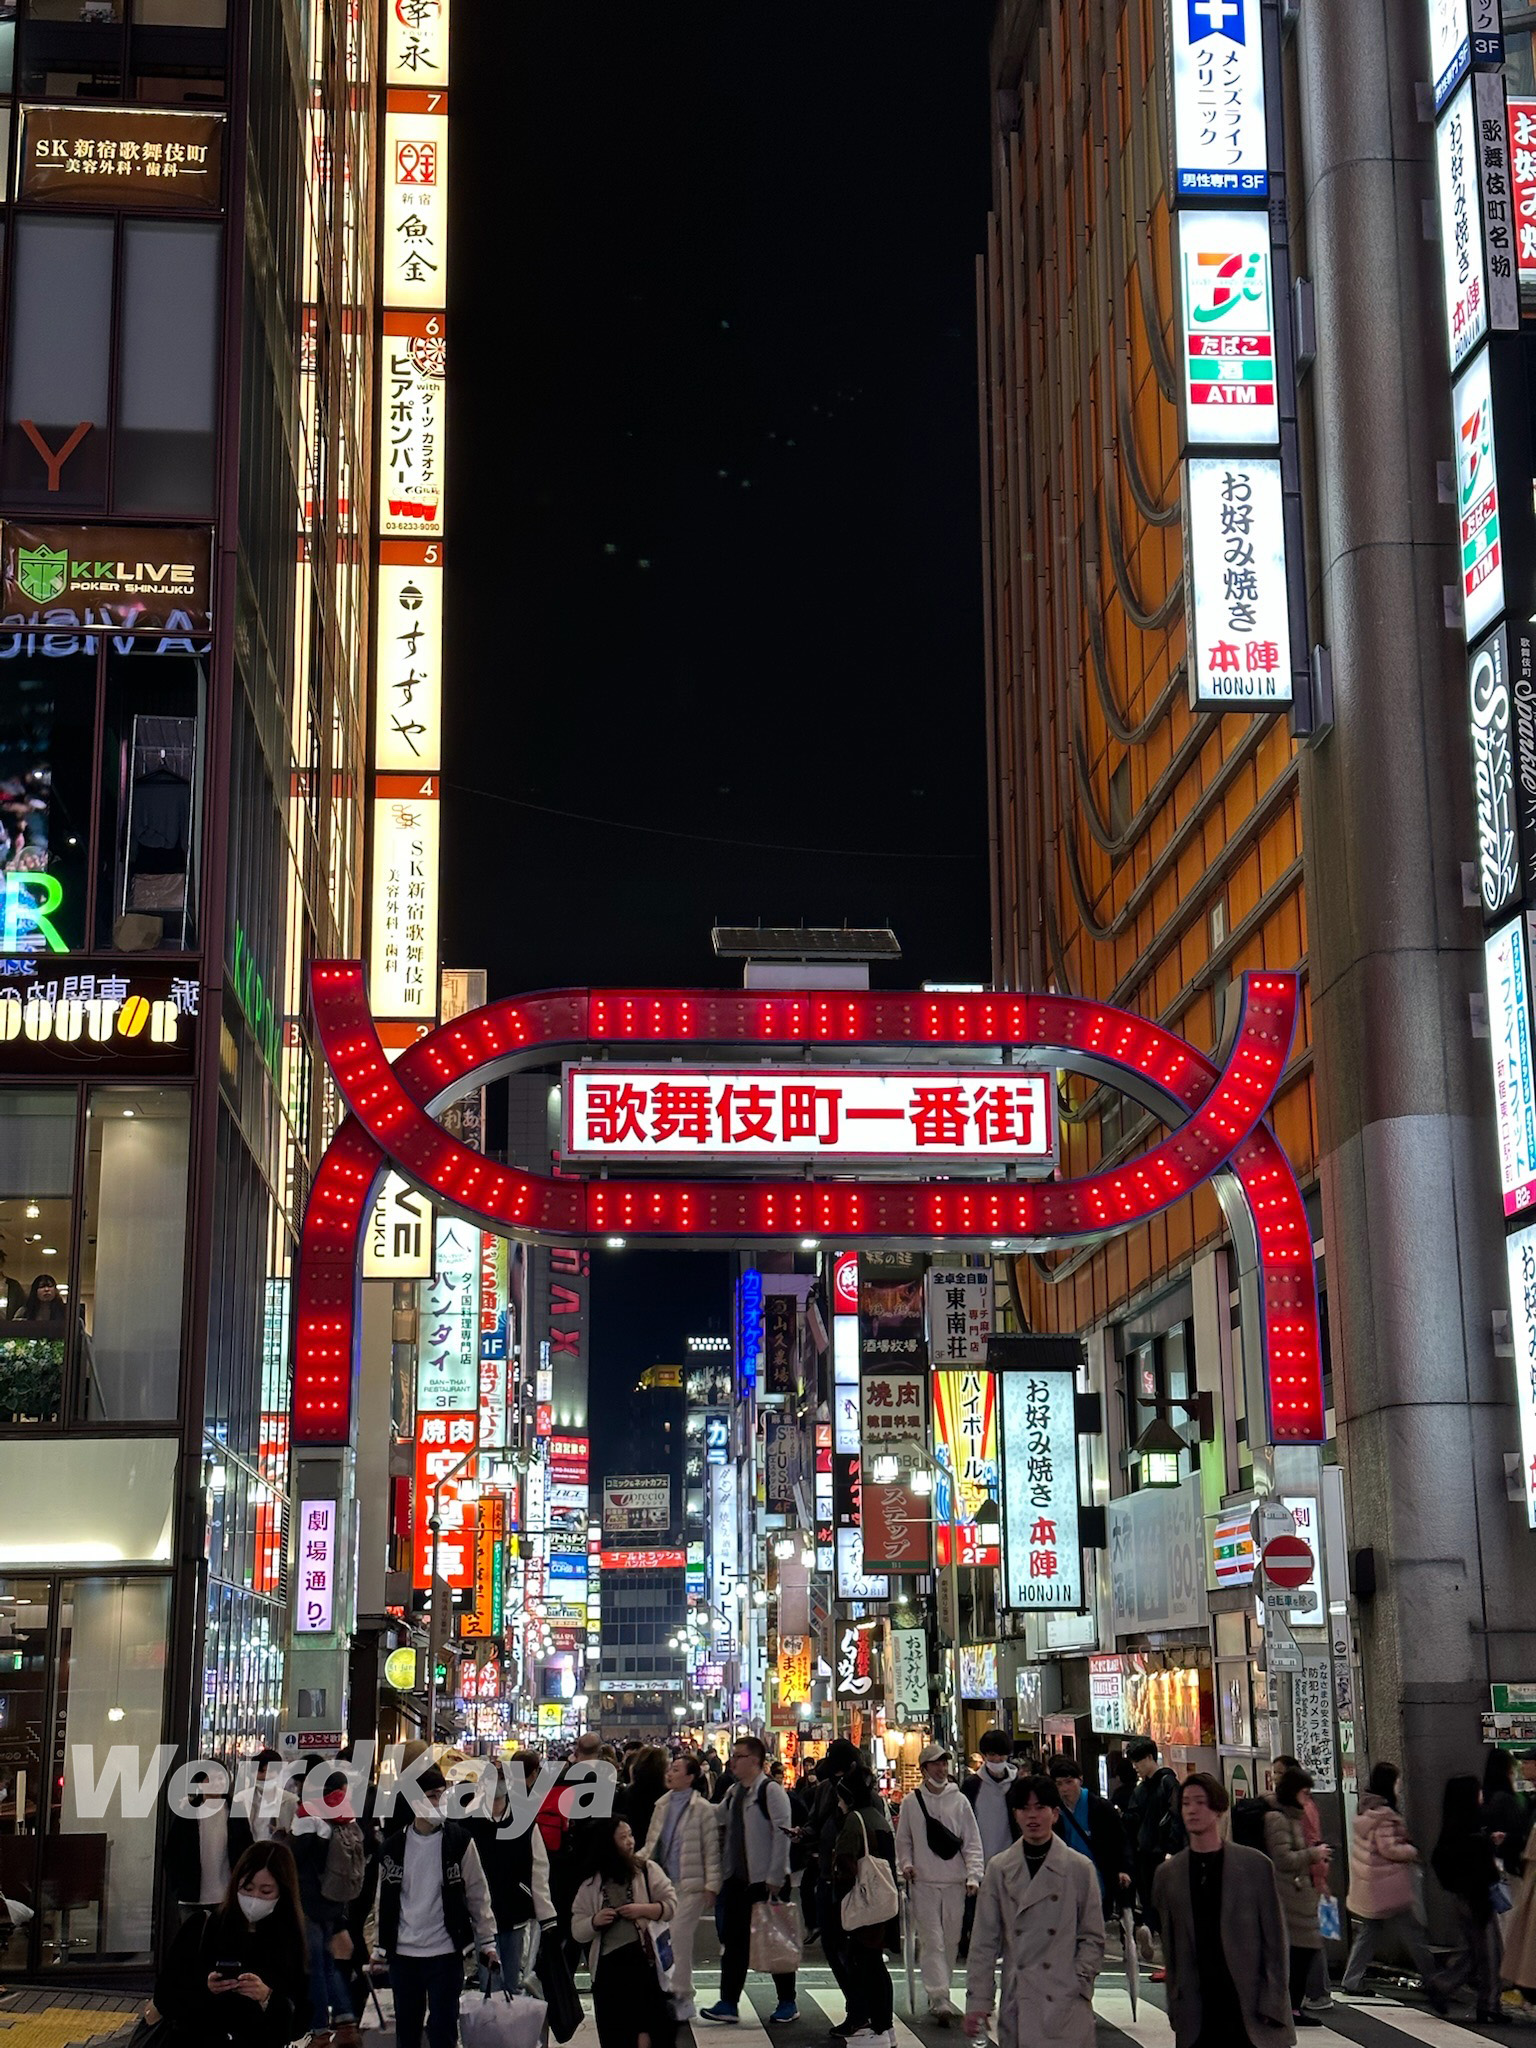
[(291, 1903)]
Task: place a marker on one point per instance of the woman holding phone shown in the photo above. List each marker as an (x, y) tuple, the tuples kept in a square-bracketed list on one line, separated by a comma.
[(237, 1976)]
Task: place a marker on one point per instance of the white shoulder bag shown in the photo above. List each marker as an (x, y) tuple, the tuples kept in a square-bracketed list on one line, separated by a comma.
[(873, 1899)]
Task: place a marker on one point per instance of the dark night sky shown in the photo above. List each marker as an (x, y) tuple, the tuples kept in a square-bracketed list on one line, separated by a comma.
[(714, 560)]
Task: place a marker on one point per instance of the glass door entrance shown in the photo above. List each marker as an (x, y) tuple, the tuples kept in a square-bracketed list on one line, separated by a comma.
[(82, 1673)]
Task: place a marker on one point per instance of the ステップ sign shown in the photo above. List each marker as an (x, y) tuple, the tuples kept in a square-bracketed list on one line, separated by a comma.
[(752, 1114)]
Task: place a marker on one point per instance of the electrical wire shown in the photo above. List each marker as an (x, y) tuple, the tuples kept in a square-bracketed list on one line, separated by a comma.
[(492, 796)]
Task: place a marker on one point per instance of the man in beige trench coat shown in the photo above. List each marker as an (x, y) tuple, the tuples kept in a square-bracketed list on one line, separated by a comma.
[(1039, 1913)]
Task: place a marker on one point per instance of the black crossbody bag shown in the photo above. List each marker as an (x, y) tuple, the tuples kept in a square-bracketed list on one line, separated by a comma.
[(943, 1841)]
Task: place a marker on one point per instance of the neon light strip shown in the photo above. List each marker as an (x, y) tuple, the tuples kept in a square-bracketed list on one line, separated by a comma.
[(390, 1122)]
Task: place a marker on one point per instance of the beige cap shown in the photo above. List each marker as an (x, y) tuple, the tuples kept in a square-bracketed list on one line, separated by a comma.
[(933, 1752)]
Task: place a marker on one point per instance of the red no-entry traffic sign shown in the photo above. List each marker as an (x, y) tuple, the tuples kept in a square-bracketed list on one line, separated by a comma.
[(1288, 1561)]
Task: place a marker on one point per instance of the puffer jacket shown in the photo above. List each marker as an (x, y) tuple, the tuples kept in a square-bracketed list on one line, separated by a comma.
[(1382, 1861), (698, 1843)]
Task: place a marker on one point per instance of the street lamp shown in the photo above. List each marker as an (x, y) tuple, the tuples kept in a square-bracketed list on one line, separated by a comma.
[(1158, 1452)]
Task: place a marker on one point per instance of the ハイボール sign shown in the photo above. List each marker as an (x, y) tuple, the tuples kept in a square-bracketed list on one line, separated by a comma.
[(131, 579)]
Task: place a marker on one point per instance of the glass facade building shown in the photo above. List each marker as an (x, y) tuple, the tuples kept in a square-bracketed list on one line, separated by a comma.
[(187, 287)]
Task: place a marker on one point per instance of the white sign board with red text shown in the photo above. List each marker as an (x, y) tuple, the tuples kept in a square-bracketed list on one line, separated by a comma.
[(752, 1114)]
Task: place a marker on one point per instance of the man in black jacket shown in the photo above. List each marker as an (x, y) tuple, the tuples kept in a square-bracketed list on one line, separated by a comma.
[(1155, 1829), (1091, 1826)]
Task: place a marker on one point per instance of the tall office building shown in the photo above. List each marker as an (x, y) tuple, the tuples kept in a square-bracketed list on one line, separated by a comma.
[(1228, 650), (185, 464)]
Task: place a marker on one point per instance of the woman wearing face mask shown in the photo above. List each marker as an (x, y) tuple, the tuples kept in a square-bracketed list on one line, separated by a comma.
[(237, 1976)]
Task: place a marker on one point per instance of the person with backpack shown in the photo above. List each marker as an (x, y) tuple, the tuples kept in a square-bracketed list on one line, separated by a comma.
[(756, 1827), (1091, 1826), (433, 1904), (939, 1853), (1154, 1828), (328, 1853), (516, 1870)]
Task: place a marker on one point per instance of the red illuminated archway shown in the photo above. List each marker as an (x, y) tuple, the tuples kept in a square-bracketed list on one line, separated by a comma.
[(1222, 1137)]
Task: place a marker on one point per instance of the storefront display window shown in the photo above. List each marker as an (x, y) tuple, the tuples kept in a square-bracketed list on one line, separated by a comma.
[(85, 1670), (92, 1280), (37, 1155), (47, 718), (132, 1255)]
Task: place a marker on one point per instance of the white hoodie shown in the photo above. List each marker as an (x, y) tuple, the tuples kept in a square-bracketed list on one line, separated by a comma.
[(953, 1810)]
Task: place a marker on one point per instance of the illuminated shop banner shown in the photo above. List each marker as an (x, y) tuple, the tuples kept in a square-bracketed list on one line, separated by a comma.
[(315, 1606), (978, 1672), (402, 954), (412, 424), (415, 223), (1229, 330), (1506, 954), (1476, 241), (1501, 711), (123, 156), (858, 1113), (441, 1442), (1237, 614), (448, 1345), (104, 1012), (398, 1241), (965, 1444), (854, 1581), (909, 1674), (635, 1502), (1493, 486), (1216, 64), (959, 1304), (123, 579), (1462, 33), (1042, 1541), (416, 42), (1522, 185), (643, 1560), (408, 669), (1520, 1251)]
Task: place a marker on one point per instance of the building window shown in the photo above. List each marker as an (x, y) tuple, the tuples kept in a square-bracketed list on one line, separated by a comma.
[(1160, 1370), (133, 1253), (174, 51), (37, 1164), (151, 778), (86, 1656), (47, 719), (168, 366), (62, 447), (93, 1280), (149, 815)]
